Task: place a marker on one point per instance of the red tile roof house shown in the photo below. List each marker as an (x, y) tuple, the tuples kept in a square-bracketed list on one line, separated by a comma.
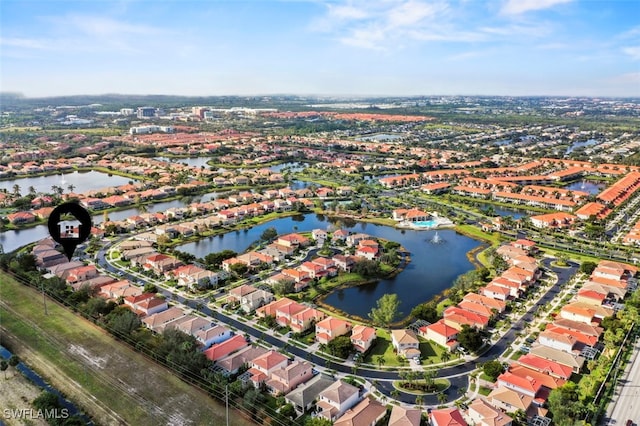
[(330, 328), (447, 417), (477, 308), (367, 252), (548, 382), (221, 350), (514, 288), (293, 240), (270, 309), (304, 320), (456, 317), (160, 263), (286, 311), (287, 378), (489, 302), (21, 217), (496, 292), (545, 366), (441, 333), (571, 328), (261, 367), (82, 273), (561, 341), (519, 384), (362, 337), (146, 304)]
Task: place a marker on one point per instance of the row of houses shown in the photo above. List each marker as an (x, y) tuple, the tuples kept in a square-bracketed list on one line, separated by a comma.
[(558, 352), (565, 344)]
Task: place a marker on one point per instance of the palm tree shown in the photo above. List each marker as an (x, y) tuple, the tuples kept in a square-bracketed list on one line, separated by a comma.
[(419, 400), (16, 189), (395, 394), (32, 191), (445, 356), (380, 360), (442, 397), (71, 187)]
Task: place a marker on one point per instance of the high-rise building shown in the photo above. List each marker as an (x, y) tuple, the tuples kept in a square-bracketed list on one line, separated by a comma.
[(146, 112)]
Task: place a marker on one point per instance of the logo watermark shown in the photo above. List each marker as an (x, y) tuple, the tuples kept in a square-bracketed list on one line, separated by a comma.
[(32, 413)]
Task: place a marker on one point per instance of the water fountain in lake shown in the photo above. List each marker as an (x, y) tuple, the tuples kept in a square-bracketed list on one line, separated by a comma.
[(436, 239)]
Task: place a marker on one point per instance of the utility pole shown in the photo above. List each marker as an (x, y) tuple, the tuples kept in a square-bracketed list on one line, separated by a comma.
[(44, 299), (226, 394)]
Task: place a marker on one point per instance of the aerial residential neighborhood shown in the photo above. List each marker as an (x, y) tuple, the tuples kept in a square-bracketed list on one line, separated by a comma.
[(249, 263), (316, 213)]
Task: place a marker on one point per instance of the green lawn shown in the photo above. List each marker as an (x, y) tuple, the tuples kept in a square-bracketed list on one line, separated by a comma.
[(484, 391), (431, 352), (94, 369)]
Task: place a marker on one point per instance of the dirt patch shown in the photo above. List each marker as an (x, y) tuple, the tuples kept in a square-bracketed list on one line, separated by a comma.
[(18, 394)]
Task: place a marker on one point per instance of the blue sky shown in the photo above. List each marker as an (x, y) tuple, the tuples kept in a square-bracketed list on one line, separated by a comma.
[(368, 47)]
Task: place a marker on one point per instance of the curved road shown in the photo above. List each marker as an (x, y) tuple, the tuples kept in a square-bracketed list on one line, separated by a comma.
[(457, 375)]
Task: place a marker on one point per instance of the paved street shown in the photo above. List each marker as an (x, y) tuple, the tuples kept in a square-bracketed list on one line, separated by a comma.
[(457, 375), (626, 401)]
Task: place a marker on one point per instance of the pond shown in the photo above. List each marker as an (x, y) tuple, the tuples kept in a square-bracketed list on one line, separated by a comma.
[(380, 137), (190, 161), (592, 188), (580, 144), (81, 181), (433, 267), (503, 211)]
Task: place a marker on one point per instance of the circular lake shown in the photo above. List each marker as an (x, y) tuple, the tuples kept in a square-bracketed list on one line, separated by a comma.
[(433, 267)]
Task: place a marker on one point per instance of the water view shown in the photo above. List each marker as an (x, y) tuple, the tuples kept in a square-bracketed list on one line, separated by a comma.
[(581, 144), (14, 239), (81, 181), (380, 137), (592, 188), (191, 161), (433, 266)]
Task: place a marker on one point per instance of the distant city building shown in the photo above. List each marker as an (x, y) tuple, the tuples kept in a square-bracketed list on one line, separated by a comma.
[(141, 130), (127, 111), (146, 112)]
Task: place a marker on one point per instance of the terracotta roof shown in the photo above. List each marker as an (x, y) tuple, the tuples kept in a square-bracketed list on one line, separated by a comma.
[(447, 417)]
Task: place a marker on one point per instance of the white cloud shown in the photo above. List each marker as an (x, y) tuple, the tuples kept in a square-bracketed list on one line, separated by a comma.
[(99, 26), (23, 43), (517, 7), (382, 24), (413, 13), (633, 52)]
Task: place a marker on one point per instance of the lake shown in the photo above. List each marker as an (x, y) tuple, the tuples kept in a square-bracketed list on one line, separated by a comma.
[(82, 182), (432, 269), (12, 240), (380, 137), (580, 144), (592, 188)]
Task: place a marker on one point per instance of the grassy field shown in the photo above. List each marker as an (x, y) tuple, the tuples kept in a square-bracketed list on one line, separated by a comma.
[(111, 382)]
